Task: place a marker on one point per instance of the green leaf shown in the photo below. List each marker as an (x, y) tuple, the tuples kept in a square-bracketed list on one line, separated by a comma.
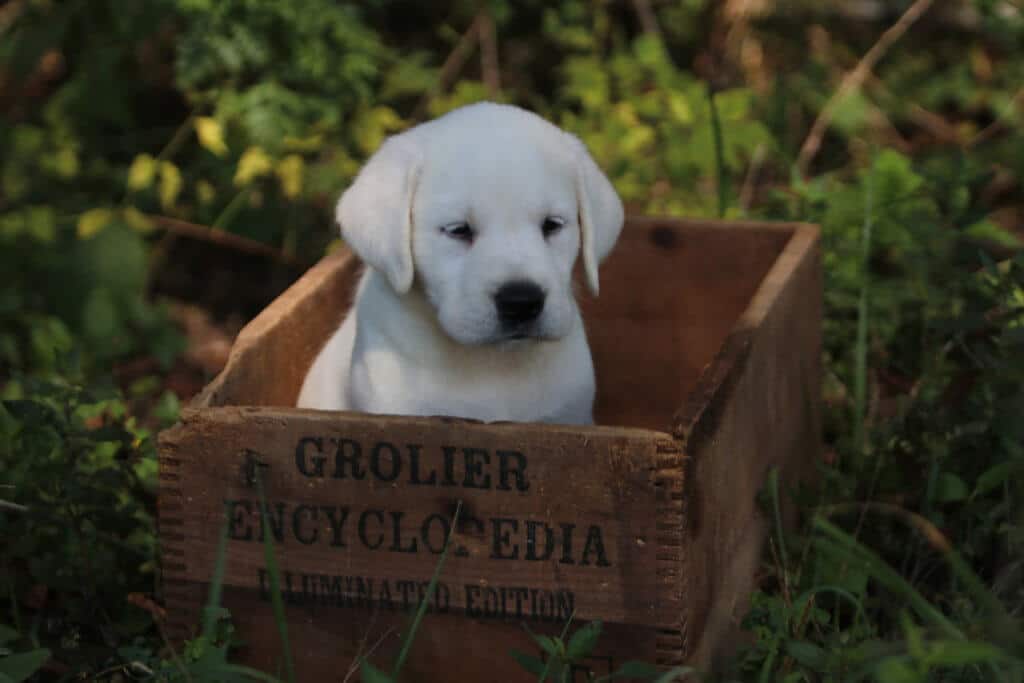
[(550, 645), (371, 674), (633, 669), (897, 670), (808, 654), (674, 673), (583, 641), (996, 475), (530, 663), (22, 665), (7, 633), (950, 488), (957, 653)]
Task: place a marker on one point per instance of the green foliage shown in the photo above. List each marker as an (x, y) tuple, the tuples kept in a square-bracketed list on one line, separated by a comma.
[(251, 116), (651, 128), (18, 666), (77, 471), (562, 660)]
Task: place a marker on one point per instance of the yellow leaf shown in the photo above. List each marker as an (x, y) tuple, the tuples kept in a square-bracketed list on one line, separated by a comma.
[(170, 184), (92, 221), (141, 172), (211, 135), (205, 191), (137, 220), (42, 223), (680, 108), (373, 125), (66, 162), (310, 143), (289, 172), (253, 164)]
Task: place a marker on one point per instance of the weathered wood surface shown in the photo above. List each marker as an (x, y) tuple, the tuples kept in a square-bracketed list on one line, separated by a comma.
[(707, 353), (756, 406), (359, 512)]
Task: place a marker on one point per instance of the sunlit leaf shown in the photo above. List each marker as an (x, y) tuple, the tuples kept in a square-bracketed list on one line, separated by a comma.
[(137, 220), (255, 162), (290, 172), (211, 135), (142, 172), (93, 221), (205, 191), (170, 184)]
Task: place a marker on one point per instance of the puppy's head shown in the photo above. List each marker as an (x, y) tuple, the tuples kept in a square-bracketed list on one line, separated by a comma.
[(485, 209)]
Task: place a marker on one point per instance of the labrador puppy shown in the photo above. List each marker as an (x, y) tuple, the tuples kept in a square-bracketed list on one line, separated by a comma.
[(470, 226)]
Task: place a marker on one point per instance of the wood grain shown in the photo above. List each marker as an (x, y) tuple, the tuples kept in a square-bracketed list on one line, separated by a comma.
[(707, 351)]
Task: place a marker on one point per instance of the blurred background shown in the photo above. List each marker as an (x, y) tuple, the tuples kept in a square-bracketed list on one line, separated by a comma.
[(167, 167)]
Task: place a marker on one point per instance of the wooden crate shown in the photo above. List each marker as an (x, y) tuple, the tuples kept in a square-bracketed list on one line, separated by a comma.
[(706, 340)]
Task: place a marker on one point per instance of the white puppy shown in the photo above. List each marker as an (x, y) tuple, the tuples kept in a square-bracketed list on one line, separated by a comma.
[(470, 225)]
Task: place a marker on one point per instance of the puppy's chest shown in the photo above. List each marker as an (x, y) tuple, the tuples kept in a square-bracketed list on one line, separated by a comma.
[(546, 390)]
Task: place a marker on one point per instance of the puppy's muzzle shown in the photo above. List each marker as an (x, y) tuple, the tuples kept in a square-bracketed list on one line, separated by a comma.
[(519, 303)]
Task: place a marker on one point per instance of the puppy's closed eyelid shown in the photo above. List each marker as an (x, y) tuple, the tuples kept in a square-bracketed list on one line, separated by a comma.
[(459, 230)]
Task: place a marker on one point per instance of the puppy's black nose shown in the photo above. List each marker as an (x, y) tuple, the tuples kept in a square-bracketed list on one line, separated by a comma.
[(519, 302)]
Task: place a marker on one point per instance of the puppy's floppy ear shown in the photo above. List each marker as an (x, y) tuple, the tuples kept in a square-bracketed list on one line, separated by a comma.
[(375, 212), (600, 211)]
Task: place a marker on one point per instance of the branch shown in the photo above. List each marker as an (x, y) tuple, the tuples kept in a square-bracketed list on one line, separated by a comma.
[(854, 79), (451, 67), (648, 19), (230, 240), (488, 36), (12, 507)]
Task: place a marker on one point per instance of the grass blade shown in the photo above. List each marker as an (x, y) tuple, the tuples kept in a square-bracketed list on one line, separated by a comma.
[(561, 639), (216, 586), (422, 609), (841, 544), (773, 484), (274, 577), (860, 349), (719, 144), (254, 674)]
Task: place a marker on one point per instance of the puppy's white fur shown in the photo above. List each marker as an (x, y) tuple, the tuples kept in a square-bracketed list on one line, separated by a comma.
[(424, 336)]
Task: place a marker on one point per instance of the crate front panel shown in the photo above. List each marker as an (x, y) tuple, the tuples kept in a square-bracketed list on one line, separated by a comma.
[(552, 520), (326, 643)]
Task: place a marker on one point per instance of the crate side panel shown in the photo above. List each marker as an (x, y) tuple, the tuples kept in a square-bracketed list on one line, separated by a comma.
[(351, 499), (764, 412), (182, 598)]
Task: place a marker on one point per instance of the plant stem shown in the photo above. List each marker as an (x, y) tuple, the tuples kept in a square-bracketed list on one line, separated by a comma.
[(861, 347), (716, 132)]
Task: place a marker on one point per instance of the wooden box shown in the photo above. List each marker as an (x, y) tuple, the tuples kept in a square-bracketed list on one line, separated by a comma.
[(706, 341)]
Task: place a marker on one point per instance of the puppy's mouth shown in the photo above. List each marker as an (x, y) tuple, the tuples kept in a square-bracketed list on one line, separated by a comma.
[(516, 338), (523, 335)]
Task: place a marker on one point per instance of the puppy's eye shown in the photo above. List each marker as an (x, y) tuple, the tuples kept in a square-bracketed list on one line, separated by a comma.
[(551, 225), (460, 231)]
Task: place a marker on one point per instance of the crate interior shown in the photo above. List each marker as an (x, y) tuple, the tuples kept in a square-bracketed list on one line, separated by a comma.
[(670, 293)]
